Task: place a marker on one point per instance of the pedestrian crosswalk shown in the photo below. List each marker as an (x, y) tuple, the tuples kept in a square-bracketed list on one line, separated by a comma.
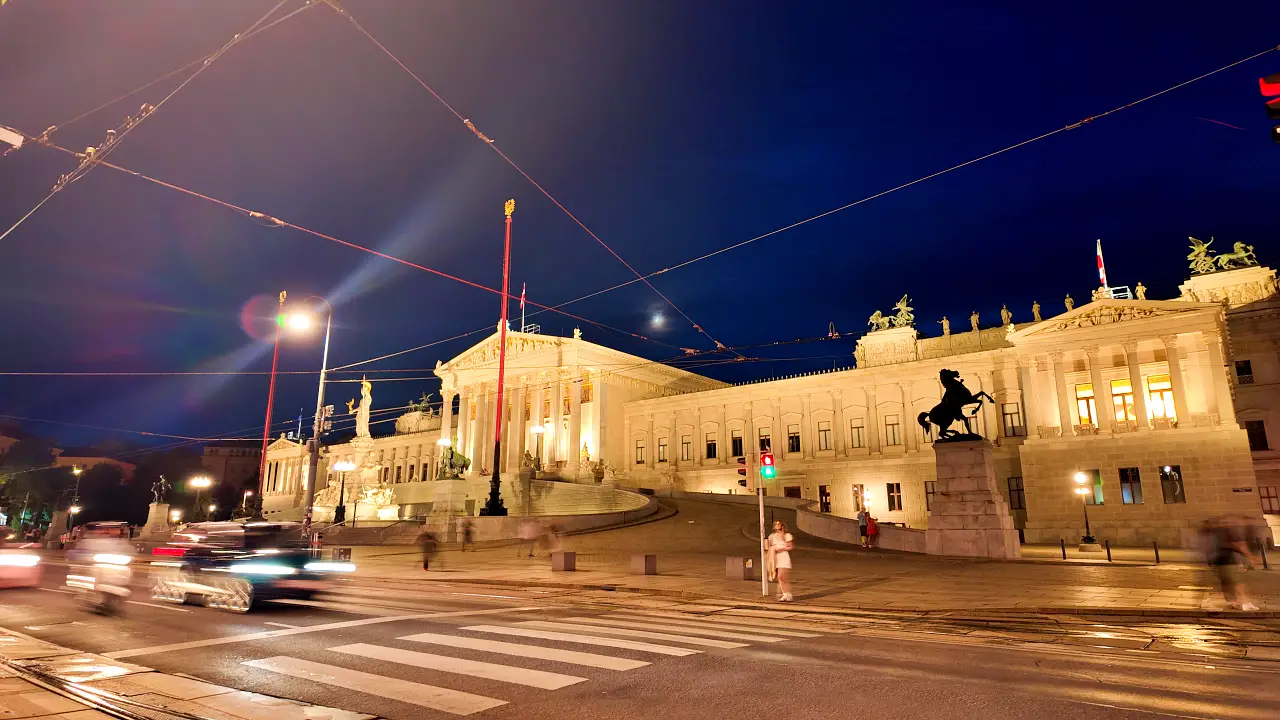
[(642, 638)]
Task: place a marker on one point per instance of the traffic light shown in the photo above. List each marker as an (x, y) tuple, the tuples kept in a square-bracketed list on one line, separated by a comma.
[(767, 469), (1270, 87), (742, 470)]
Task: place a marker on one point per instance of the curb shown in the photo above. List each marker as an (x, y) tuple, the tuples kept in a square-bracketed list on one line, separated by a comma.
[(857, 609)]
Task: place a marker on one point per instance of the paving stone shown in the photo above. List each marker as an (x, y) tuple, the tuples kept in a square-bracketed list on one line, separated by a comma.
[(35, 703)]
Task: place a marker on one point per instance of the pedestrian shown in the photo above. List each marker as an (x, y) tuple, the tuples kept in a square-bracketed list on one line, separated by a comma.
[(528, 536), (427, 541), (1227, 549), (862, 525), (779, 546), (872, 531), (468, 534)]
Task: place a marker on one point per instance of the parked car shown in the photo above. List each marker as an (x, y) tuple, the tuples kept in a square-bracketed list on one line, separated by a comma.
[(234, 565)]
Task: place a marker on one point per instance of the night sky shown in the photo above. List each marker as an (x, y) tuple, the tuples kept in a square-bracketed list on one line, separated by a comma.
[(670, 128)]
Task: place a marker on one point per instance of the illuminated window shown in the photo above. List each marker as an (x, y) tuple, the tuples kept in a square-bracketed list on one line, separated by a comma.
[(1012, 420), (1130, 486), (1270, 495), (1244, 372), (892, 430), (1086, 408), (412, 469), (736, 442), (1095, 497), (856, 433), (930, 489), (639, 452), (766, 440), (711, 446), (1122, 399), (1160, 394), (399, 470), (662, 449), (793, 438), (686, 447), (1171, 485), (824, 435), (894, 492)]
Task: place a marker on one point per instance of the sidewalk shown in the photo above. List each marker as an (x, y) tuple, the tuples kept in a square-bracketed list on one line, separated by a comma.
[(126, 685)]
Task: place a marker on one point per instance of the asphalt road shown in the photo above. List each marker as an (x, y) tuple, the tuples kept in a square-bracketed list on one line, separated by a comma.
[(407, 651)]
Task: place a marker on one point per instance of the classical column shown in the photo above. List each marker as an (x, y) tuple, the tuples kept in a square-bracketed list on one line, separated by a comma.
[(807, 432), (557, 419), (1136, 385), (504, 412), (1060, 389), (699, 439), (1175, 379), (1101, 391), (535, 419), (650, 443), (993, 428), (1218, 373), (778, 437), (748, 429), (906, 424), (464, 421), (480, 442), (520, 428), (629, 444), (575, 428), (1030, 401), (599, 391), (838, 429), (511, 428), (446, 413), (873, 420)]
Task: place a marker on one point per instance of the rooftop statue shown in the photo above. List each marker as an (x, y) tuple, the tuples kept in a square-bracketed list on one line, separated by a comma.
[(973, 320), (903, 318), (1006, 317), (1141, 291), (1035, 310), (1071, 304), (1240, 256), (955, 398), (1200, 260), (362, 413), (878, 321), (946, 326)]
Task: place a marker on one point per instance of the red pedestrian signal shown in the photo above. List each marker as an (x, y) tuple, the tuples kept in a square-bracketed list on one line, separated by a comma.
[(1270, 87), (742, 470), (767, 469)]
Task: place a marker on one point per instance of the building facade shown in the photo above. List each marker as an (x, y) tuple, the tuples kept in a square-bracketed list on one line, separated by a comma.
[(1163, 405), (233, 462)]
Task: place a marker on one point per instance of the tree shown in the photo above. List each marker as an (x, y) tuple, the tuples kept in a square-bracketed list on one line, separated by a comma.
[(29, 479)]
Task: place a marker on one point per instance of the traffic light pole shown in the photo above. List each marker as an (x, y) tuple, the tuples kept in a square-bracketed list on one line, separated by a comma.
[(764, 575)]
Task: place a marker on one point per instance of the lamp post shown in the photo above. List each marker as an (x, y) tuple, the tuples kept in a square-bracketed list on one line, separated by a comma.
[(493, 506), (303, 321), (200, 482), (340, 512), (244, 501), (212, 508), (1083, 491), (175, 516), (271, 398)]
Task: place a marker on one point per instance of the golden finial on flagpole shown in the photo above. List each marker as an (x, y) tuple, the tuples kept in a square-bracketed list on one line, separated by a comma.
[(510, 207)]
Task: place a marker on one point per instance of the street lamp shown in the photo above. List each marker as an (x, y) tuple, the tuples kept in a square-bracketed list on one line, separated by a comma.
[(442, 443), (244, 501), (271, 396), (300, 321), (212, 508), (343, 467), (1084, 492), (200, 482), (175, 516), (493, 507)]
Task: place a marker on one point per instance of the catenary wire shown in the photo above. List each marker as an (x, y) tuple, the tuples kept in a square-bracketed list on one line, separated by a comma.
[(494, 146)]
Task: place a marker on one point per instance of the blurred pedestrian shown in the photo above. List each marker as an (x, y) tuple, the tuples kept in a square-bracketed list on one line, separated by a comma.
[(1227, 548), (779, 545), (427, 541), (528, 536), (872, 531), (468, 534), (862, 525)]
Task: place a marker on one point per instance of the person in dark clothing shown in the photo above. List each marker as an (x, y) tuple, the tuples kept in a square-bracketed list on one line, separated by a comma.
[(427, 541), (468, 534), (1227, 549)]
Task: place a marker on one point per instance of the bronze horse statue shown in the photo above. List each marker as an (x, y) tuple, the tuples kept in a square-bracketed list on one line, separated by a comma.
[(954, 400)]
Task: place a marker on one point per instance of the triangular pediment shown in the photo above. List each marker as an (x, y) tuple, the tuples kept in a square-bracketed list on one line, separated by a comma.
[(282, 443), (486, 351), (1107, 312)]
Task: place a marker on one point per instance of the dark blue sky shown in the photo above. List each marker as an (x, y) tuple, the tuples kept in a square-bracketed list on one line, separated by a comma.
[(670, 128)]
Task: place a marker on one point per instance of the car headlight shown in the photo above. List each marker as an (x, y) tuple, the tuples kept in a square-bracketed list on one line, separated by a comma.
[(330, 567), (262, 569), (112, 559), (19, 560)]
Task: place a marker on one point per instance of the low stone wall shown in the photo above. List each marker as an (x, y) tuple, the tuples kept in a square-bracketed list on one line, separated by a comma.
[(771, 502), (508, 528), (839, 529)]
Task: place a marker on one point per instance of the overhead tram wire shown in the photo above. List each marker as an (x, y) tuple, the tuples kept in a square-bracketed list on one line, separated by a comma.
[(94, 156), (494, 146), (869, 198)]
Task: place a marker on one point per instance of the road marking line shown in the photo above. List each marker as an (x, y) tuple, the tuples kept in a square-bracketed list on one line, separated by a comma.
[(369, 609), (634, 633), (583, 639), (474, 668), (528, 651), (269, 634), (52, 590), (283, 625), (683, 619), (675, 627), (157, 605), (428, 696)]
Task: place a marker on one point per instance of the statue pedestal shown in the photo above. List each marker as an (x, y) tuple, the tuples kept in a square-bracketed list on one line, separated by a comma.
[(157, 520), (451, 497), (969, 517), (1241, 286)]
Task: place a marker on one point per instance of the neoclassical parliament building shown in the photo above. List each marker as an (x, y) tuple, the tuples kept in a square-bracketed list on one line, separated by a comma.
[(1166, 406)]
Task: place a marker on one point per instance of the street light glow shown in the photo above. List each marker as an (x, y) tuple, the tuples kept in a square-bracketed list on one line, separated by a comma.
[(200, 482), (444, 442), (75, 509), (212, 508), (1081, 478), (344, 466), (1082, 491), (298, 321)]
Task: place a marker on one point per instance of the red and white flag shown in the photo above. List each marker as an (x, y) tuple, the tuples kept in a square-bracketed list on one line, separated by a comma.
[(1102, 268), (522, 286)]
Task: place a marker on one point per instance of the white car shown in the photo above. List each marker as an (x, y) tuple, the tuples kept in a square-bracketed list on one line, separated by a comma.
[(20, 565)]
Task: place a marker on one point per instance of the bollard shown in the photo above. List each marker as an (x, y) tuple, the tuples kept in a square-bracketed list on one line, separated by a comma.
[(1155, 545), (1263, 549), (1064, 547), (1108, 543)]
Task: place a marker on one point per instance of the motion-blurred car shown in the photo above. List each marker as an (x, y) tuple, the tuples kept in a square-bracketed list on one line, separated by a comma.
[(19, 565), (234, 565)]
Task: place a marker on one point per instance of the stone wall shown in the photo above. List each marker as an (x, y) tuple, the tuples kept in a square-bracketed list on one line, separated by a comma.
[(844, 530)]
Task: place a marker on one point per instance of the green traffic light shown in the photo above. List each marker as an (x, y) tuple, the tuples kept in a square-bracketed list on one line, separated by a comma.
[(767, 472)]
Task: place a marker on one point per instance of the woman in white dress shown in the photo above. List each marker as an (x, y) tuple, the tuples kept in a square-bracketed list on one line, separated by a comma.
[(779, 545)]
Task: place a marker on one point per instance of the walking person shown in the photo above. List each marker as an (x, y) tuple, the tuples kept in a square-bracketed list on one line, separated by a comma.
[(862, 525), (779, 545), (872, 532), (528, 536), (1226, 550), (468, 535), (427, 541)]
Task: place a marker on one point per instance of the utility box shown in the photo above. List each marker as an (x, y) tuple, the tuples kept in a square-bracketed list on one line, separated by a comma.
[(644, 564), (740, 568), (564, 561)]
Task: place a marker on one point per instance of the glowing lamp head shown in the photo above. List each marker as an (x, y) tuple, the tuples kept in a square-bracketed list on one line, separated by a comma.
[(213, 508), (74, 509), (247, 493), (444, 442), (1082, 491), (1081, 478), (200, 482), (537, 430), (77, 470), (344, 466), (298, 321), (175, 515)]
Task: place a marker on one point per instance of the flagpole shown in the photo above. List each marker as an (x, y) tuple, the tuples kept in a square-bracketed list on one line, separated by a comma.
[(522, 325)]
